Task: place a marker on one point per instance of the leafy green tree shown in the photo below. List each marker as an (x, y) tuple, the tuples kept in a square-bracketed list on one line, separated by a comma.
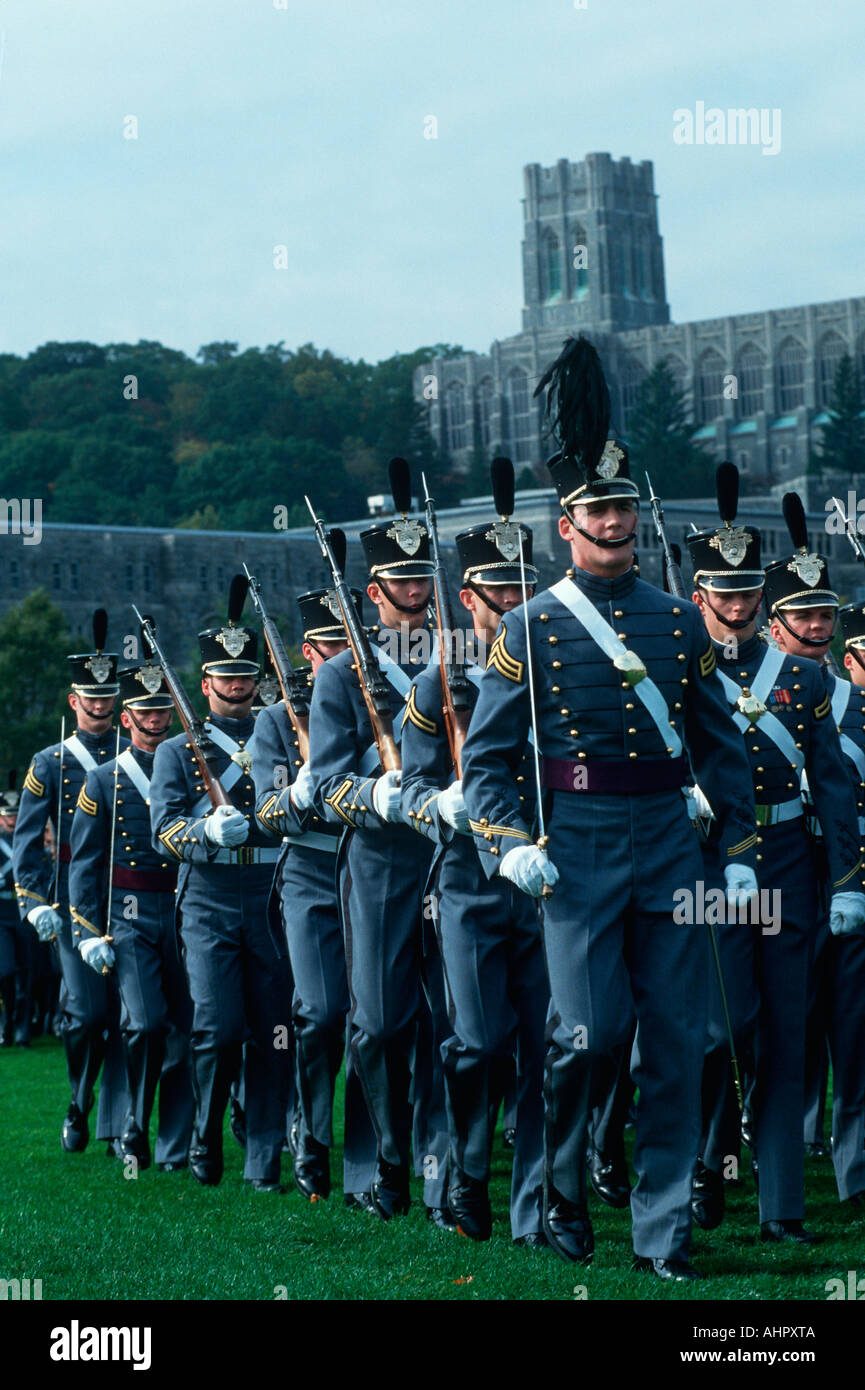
[(660, 440), (34, 678), (842, 443)]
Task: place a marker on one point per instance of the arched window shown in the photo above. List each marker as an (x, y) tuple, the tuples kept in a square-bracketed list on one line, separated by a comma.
[(580, 272), (551, 268), (456, 423), (710, 386), (631, 376), (830, 349), (521, 424), (484, 402), (790, 374), (750, 372)]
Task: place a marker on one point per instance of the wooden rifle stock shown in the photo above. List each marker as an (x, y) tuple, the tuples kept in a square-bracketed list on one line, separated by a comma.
[(455, 702), (289, 679)]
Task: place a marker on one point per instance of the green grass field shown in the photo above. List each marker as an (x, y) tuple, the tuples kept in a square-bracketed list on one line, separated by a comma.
[(74, 1222)]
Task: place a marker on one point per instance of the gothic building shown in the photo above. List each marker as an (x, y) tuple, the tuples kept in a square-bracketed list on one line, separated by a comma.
[(757, 384)]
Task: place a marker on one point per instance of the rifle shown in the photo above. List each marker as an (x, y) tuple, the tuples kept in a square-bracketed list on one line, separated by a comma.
[(373, 685), (675, 582), (201, 744), (292, 683), (850, 531), (455, 687)]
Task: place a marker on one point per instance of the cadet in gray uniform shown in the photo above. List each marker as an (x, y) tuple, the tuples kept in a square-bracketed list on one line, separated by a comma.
[(382, 869), (89, 1004), (781, 707), (306, 884), (18, 942), (624, 683), (139, 942), (489, 933), (235, 962)]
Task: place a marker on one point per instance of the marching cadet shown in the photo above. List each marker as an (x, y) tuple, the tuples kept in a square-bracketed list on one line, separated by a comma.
[(112, 823), (802, 623), (50, 791), (235, 964), (621, 680), (781, 707), (306, 884), (18, 945), (381, 872), (489, 933)]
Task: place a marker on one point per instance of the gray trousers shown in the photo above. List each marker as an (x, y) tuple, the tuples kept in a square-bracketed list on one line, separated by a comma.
[(614, 951), (320, 1009)]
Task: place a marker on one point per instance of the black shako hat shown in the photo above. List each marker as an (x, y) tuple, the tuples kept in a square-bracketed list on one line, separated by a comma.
[(143, 687), (231, 650), (589, 466), (399, 549), (852, 617), (321, 615), (801, 580), (726, 558), (94, 674), (489, 553)]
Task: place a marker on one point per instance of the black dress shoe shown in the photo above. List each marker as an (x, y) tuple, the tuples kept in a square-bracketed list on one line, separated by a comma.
[(509, 1138), (441, 1218), (237, 1123), (707, 1197), (265, 1185), (533, 1240), (816, 1150), (312, 1169), (469, 1203), (134, 1144), (358, 1201), (74, 1136), (205, 1164), (568, 1228), (778, 1231), (170, 1166), (390, 1190), (609, 1180), (676, 1271)]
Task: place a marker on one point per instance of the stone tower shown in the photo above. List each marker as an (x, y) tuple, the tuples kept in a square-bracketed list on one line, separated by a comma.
[(592, 254)]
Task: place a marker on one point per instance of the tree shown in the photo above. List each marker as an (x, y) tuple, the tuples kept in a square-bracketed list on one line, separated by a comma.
[(34, 678), (660, 439), (842, 445)]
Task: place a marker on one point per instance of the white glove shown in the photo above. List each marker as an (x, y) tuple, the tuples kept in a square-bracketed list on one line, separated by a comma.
[(226, 827), (846, 913), (530, 869), (301, 789), (386, 797), (46, 921), (452, 808), (741, 884), (97, 952)]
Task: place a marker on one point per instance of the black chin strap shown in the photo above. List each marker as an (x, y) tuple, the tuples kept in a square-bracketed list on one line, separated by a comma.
[(602, 540), (148, 733), (734, 624), (806, 641), (490, 603), (401, 607), (856, 657)]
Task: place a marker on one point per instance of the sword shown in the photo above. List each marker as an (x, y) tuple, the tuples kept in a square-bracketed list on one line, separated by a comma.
[(543, 839), (56, 894), (105, 968)]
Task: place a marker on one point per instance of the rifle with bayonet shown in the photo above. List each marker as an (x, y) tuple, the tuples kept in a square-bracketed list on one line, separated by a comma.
[(455, 686), (292, 683), (675, 582), (203, 747), (374, 686)]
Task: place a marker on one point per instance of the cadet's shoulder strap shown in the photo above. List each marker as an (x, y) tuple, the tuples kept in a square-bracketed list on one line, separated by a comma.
[(767, 674), (74, 746), (582, 608), (232, 772), (402, 684), (136, 774)]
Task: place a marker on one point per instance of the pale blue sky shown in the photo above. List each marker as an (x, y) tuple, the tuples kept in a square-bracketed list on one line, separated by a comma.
[(304, 126)]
